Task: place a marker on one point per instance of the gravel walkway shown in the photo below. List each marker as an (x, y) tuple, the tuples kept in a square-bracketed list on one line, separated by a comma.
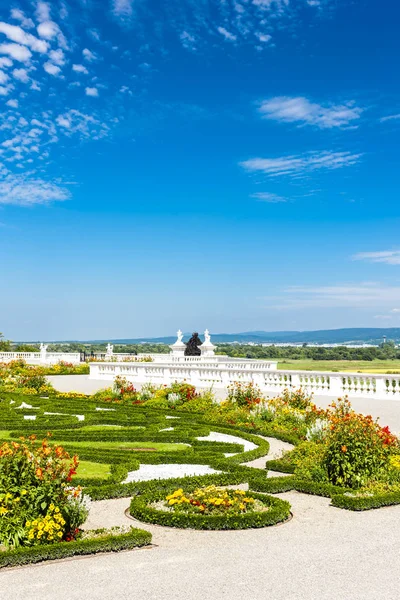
[(323, 553)]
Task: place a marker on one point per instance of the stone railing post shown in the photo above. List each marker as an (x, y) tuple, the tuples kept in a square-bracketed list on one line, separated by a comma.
[(336, 385)]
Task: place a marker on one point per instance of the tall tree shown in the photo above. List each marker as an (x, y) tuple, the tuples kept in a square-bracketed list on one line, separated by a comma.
[(5, 345)]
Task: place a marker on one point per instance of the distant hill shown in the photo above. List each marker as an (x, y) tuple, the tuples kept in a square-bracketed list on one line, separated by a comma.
[(324, 336)]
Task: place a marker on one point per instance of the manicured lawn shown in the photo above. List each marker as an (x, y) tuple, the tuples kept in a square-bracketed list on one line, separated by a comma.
[(89, 469), (353, 366), (159, 446), (109, 427)]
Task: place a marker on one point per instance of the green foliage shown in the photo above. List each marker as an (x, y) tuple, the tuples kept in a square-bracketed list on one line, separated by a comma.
[(5, 345), (357, 448), (244, 395), (142, 508), (33, 488), (112, 543)]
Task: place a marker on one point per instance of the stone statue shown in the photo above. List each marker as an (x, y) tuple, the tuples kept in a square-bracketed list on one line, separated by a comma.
[(43, 347), (110, 349), (207, 339), (193, 345), (180, 336)]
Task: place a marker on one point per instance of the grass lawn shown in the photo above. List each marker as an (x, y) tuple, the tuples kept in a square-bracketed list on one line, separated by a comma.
[(159, 446), (353, 366), (88, 469)]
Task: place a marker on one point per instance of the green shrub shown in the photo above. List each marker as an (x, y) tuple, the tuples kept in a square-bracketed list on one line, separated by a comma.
[(357, 447)]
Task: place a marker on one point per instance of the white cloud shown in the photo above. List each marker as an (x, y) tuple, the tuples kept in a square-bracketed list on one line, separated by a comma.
[(16, 51), (227, 34), (21, 75), (3, 77), (292, 165), (63, 122), (301, 110), (188, 40), (48, 30), (51, 69), (263, 37), (123, 8), (91, 91), (5, 62), (12, 103), (390, 257), (373, 295), (88, 55), (19, 15), (390, 118), (268, 197), (57, 57), (18, 35), (19, 190), (43, 11), (4, 90), (75, 122), (80, 69)]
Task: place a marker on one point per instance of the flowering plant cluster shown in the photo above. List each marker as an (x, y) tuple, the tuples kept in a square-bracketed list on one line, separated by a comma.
[(244, 395), (35, 486), (357, 447), (17, 376), (47, 529), (211, 500)]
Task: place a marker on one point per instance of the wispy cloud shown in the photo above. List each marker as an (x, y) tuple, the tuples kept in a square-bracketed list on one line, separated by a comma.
[(227, 34), (373, 295), (302, 111), (394, 117), (297, 164), (21, 190), (268, 197), (122, 8), (242, 21), (390, 257)]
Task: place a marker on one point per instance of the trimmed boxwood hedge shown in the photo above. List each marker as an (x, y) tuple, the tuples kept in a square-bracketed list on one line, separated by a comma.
[(135, 538), (365, 502), (279, 465), (187, 428), (279, 510)]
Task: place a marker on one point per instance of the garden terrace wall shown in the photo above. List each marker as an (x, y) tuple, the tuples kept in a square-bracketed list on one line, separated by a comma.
[(221, 374)]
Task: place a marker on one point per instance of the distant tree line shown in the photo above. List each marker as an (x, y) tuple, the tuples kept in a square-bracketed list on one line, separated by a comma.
[(382, 352), (385, 351)]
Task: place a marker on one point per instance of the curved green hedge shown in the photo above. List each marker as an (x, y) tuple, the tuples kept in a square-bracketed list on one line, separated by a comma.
[(135, 538), (279, 510), (143, 424)]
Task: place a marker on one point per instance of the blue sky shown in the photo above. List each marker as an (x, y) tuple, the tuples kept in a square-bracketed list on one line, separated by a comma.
[(192, 164)]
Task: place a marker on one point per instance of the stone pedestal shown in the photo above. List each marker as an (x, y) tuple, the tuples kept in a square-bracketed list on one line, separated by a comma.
[(207, 349), (178, 349)]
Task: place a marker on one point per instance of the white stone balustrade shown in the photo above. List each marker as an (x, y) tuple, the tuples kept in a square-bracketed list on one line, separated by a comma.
[(42, 357), (206, 372)]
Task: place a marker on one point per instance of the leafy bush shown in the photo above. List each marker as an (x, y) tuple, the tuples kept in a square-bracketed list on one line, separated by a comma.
[(357, 447), (34, 482), (244, 395)]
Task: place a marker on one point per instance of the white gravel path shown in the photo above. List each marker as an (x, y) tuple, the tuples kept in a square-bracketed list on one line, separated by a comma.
[(148, 472), (214, 436)]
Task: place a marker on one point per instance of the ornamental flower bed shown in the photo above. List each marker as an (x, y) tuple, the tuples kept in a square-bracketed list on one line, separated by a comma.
[(38, 505), (211, 500)]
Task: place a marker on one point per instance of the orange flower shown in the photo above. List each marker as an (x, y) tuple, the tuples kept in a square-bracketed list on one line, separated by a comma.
[(344, 448), (39, 472)]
